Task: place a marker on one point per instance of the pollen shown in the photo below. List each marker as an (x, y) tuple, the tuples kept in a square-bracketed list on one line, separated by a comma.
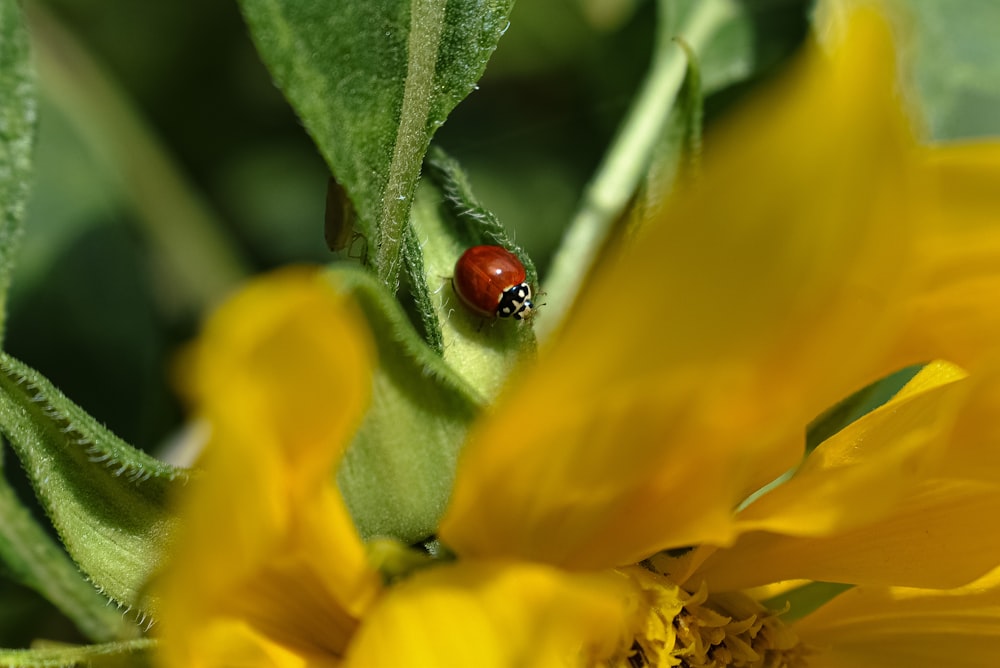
[(697, 630)]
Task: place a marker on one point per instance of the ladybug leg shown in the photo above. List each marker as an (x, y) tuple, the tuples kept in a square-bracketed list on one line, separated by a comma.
[(362, 249)]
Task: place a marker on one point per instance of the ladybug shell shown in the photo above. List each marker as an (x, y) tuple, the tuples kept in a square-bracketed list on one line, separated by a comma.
[(482, 274)]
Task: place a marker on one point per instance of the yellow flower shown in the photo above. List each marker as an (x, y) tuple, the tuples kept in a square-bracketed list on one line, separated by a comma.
[(819, 251), (269, 554)]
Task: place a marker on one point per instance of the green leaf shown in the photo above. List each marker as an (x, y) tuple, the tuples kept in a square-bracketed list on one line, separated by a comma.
[(397, 474), (17, 134), (34, 559), (372, 82), (107, 500), (447, 219), (108, 655)]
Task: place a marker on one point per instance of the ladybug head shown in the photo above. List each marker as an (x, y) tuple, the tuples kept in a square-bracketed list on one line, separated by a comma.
[(515, 302)]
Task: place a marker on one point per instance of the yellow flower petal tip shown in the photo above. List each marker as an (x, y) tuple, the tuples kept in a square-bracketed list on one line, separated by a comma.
[(292, 352)]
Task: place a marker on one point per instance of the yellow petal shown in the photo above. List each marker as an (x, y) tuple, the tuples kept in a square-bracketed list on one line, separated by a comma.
[(496, 615), (233, 642), (686, 373), (952, 314), (871, 627), (974, 448), (939, 536), (282, 376), (861, 472), (287, 358)]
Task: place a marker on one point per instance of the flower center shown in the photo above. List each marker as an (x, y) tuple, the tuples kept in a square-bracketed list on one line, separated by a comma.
[(676, 628)]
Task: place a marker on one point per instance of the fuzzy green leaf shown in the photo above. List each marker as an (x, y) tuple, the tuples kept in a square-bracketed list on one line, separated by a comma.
[(397, 474), (107, 500), (33, 558), (447, 219), (109, 655), (372, 82), (17, 134)]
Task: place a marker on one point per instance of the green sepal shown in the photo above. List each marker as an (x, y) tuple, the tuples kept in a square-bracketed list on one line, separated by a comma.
[(447, 219), (18, 115), (372, 82), (31, 557), (397, 474), (129, 653), (107, 500), (799, 602), (857, 406)]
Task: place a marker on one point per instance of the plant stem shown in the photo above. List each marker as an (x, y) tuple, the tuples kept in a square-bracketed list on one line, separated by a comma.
[(625, 163), (426, 26)]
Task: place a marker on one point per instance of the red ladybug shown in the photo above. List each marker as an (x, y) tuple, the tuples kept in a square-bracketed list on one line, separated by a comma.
[(490, 281)]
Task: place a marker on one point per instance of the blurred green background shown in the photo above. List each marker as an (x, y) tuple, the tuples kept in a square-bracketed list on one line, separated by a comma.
[(95, 304), (168, 165)]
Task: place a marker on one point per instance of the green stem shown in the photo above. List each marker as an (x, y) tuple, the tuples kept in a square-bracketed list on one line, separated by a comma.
[(426, 26), (184, 233), (619, 175), (136, 652)]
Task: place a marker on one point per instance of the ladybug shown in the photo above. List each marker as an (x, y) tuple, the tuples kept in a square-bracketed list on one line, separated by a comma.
[(490, 280)]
